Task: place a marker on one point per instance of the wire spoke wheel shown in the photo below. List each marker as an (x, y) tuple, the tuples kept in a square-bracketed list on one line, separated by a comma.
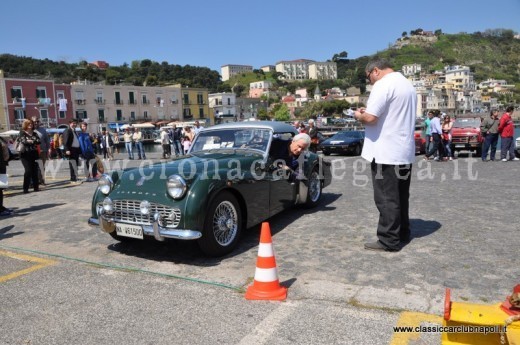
[(225, 223), (314, 186)]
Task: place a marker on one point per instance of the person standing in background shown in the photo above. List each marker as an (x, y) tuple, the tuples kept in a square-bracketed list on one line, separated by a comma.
[(506, 128), (87, 151), (489, 129), (128, 138), (72, 149), (138, 140), (30, 140), (45, 145)]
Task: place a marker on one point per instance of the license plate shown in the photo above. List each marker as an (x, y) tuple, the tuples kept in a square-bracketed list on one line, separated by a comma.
[(460, 145), (129, 230), (332, 147)]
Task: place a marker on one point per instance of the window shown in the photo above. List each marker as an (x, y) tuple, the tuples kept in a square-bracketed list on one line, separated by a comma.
[(145, 114), (19, 114), (99, 97), (201, 112), (186, 98), (44, 113), (119, 115), (186, 113), (80, 97), (81, 114), (101, 115), (145, 99), (16, 93), (132, 115), (200, 98), (41, 92), (229, 101), (131, 97), (118, 97), (62, 114)]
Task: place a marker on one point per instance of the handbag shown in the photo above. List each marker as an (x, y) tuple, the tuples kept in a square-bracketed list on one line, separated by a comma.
[(19, 147), (4, 182)]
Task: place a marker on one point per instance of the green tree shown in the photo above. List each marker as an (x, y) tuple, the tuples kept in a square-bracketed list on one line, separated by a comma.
[(282, 114), (262, 114)]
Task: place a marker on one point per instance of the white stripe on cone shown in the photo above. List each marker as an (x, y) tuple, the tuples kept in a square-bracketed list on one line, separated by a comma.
[(265, 250), (266, 275)]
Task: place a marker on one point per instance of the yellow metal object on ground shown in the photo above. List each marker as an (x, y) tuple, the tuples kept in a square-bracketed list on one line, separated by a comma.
[(475, 317)]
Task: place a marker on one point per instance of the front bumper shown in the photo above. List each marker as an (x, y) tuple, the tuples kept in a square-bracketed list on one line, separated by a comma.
[(108, 225)]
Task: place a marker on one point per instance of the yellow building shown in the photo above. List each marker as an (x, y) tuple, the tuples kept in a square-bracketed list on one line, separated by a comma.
[(195, 105)]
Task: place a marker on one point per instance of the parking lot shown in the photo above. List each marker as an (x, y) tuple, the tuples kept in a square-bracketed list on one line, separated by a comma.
[(63, 282)]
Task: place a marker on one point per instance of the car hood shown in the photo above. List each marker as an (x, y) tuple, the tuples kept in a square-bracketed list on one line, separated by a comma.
[(189, 167), (464, 131)]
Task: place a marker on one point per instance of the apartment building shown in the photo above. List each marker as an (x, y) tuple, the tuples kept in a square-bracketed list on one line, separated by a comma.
[(99, 104), (195, 105), (228, 71), (258, 88), (268, 68), (412, 69), (323, 70), (460, 77), (21, 99), (223, 106)]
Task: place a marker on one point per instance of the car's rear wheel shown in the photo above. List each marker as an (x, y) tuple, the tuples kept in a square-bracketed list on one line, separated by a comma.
[(222, 226), (314, 189)]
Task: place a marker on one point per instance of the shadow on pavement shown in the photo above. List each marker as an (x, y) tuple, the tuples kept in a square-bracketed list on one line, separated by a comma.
[(189, 253), (5, 235)]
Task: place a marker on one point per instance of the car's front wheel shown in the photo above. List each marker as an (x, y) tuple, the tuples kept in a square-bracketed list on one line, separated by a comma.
[(222, 226), (357, 150)]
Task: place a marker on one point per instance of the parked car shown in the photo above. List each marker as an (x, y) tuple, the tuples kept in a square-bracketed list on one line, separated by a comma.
[(344, 142), (517, 147), (465, 135), (229, 181)]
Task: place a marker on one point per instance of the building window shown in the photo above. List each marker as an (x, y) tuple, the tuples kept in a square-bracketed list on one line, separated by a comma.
[(186, 98), (132, 115), (44, 113), (99, 97), (41, 92), (101, 115), (201, 112), (62, 114), (145, 114), (81, 114), (119, 114), (186, 113), (145, 99), (16, 93), (200, 99), (19, 114), (118, 97)]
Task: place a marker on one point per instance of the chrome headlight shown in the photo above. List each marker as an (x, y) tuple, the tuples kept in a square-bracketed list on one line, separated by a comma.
[(144, 207), (105, 184), (176, 187), (108, 205)]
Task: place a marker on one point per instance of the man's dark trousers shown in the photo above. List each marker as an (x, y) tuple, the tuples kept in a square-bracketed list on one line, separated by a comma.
[(74, 162), (391, 196)]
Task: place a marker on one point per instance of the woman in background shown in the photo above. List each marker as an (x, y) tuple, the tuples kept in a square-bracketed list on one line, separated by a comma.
[(29, 155)]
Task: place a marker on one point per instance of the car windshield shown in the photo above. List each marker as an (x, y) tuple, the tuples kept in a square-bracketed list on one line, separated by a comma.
[(236, 138), (466, 123), (346, 135)]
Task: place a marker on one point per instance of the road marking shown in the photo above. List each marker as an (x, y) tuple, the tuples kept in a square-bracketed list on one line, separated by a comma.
[(412, 319), (262, 332), (40, 263)]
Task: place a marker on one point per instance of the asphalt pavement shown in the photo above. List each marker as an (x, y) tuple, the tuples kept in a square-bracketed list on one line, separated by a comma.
[(64, 282)]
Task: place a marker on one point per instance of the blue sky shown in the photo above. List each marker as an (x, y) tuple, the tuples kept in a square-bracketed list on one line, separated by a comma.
[(215, 33)]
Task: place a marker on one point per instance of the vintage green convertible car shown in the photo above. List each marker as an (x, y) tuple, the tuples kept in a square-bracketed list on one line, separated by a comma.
[(230, 180)]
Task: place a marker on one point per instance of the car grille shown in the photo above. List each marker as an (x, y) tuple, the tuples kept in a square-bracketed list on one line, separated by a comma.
[(128, 211), (459, 140)]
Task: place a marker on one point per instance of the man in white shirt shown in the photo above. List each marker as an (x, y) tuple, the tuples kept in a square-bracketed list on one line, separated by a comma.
[(197, 127), (389, 120)]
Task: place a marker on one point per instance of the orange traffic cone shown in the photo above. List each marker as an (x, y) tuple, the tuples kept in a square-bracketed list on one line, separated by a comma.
[(266, 285)]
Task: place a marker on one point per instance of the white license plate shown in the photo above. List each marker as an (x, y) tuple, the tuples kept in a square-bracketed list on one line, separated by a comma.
[(460, 146), (129, 230)]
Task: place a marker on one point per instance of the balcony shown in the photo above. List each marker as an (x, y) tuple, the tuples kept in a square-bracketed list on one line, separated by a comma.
[(120, 102), (132, 102), (100, 101), (145, 102), (174, 101), (81, 101)]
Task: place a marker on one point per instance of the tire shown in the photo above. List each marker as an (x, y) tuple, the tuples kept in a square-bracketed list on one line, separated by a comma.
[(222, 226), (314, 190)]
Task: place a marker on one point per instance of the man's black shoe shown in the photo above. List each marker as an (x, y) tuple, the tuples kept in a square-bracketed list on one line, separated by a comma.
[(378, 246)]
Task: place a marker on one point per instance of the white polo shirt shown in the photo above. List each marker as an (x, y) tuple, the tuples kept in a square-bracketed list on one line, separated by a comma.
[(391, 139)]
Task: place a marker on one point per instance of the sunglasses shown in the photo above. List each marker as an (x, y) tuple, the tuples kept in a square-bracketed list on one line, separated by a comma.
[(368, 75)]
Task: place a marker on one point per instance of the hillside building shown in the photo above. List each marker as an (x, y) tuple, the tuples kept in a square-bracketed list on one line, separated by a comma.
[(228, 71)]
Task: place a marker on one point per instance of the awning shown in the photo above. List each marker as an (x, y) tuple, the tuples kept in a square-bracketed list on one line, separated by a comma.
[(9, 133), (143, 125), (160, 123)]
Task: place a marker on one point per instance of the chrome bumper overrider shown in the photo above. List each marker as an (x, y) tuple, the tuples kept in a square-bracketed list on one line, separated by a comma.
[(108, 225)]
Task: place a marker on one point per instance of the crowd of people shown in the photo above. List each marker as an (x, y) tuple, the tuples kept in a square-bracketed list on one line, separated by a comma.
[(438, 136)]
